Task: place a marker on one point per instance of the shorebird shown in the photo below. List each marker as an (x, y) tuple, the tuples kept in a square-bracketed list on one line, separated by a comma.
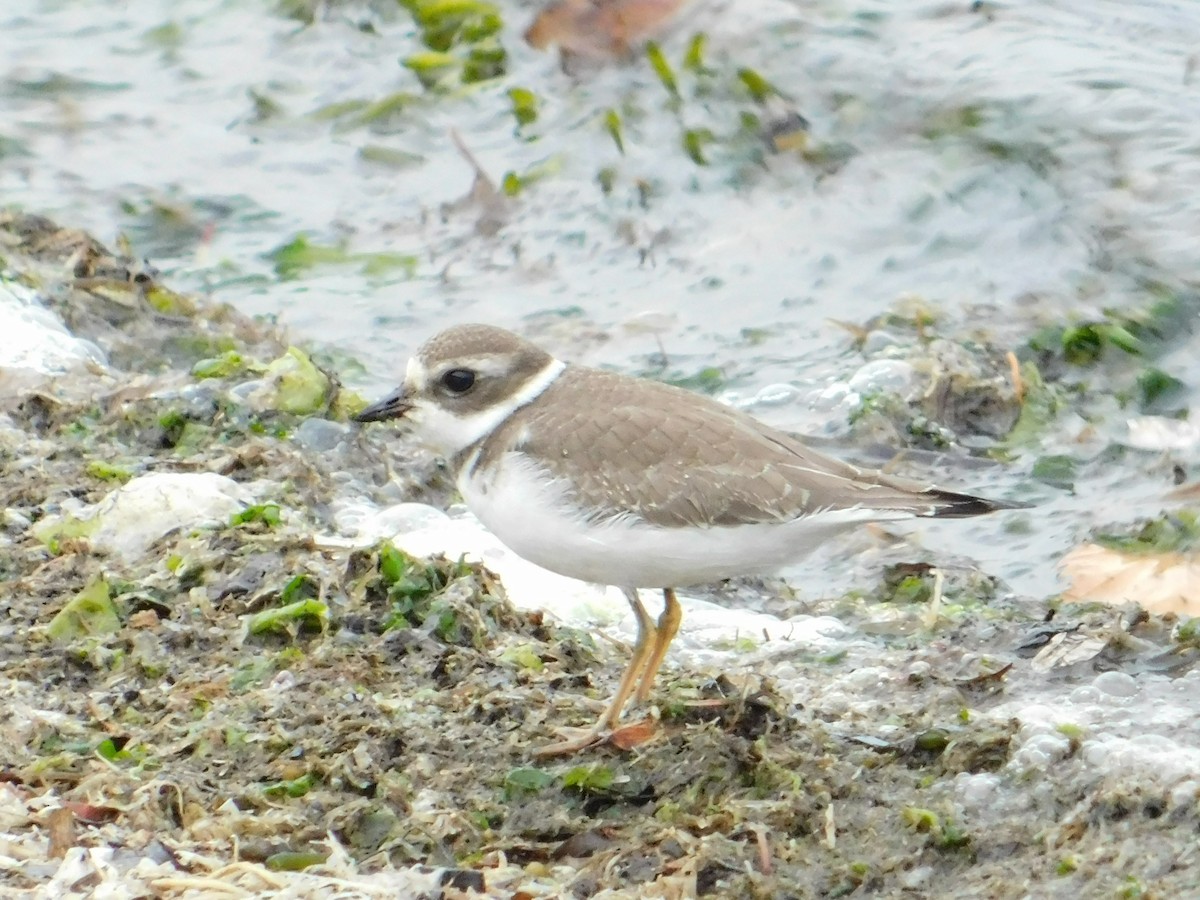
[(628, 482)]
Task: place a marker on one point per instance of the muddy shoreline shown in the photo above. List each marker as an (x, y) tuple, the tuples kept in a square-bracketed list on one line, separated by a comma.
[(251, 708)]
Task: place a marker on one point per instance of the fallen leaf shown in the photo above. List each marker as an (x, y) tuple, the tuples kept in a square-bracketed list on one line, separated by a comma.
[(629, 736), (599, 29), (90, 813), (1158, 582)]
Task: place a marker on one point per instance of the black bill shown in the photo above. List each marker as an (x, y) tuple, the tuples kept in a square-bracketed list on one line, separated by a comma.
[(392, 406)]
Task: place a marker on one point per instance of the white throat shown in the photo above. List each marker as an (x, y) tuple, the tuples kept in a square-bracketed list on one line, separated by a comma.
[(450, 433)]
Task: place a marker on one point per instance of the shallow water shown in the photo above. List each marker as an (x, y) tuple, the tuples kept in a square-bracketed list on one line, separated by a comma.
[(1010, 165)]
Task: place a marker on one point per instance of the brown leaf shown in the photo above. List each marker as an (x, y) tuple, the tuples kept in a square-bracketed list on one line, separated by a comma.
[(629, 736), (599, 29), (1158, 582), (90, 813)]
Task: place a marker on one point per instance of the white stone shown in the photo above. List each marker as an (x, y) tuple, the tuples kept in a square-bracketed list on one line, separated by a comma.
[(130, 519), (36, 344)]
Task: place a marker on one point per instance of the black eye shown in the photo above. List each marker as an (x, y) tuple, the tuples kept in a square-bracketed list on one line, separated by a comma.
[(458, 381)]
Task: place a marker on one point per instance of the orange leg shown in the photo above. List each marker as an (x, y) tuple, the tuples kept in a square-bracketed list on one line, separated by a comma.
[(643, 651), (668, 627)]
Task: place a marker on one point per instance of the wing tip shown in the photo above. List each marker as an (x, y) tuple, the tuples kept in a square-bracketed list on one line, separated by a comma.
[(952, 505)]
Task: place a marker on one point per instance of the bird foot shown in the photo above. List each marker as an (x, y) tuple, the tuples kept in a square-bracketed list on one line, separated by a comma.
[(623, 737), (576, 741)]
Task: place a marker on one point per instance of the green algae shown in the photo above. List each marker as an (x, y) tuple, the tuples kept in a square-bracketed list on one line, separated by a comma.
[(89, 613), (300, 255), (662, 68), (525, 780), (410, 725), (525, 106), (299, 387), (1174, 532)]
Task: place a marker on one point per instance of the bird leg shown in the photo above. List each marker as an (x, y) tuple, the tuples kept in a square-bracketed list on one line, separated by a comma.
[(643, 651), (668, 626), (647, 640)]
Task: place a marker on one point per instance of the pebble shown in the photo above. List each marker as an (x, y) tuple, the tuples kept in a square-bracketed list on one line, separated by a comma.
[(319, 434)]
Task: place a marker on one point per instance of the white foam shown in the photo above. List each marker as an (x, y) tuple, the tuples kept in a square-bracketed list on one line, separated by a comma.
[(1136, 727)]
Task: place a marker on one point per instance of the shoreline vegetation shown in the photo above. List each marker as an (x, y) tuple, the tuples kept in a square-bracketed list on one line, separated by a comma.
[(200, 695)]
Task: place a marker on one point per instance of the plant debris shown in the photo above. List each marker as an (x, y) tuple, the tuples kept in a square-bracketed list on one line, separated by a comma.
[(241, 707)]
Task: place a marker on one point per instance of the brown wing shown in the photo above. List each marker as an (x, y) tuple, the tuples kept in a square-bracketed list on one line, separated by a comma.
[(675, 458)]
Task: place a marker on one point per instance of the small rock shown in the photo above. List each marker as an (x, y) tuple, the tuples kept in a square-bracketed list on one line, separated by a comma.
[(319, 434)]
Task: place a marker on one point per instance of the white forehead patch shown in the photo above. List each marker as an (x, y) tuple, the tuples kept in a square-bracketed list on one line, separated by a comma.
[(414, 375)]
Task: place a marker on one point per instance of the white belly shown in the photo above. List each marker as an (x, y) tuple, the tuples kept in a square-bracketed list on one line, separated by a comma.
[(531, 514)]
